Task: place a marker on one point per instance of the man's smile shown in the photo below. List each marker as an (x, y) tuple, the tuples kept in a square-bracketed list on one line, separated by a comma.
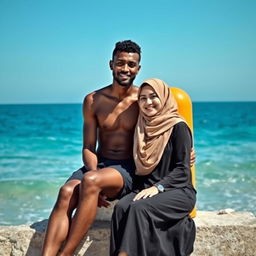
[(124, 75)]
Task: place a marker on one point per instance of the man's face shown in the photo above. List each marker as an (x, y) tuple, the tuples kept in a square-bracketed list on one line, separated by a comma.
[(125, 66)]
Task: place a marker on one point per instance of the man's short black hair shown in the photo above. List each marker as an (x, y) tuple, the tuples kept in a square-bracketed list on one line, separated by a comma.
[(126, 46)]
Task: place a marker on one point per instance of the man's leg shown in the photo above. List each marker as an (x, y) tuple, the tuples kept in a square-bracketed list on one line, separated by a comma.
[(59, 221), (108, 180)]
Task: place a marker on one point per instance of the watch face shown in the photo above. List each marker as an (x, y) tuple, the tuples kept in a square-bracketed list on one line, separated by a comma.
[(160, 188)]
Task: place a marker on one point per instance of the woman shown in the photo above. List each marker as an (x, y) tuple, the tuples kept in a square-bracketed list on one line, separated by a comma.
[(154, 219)]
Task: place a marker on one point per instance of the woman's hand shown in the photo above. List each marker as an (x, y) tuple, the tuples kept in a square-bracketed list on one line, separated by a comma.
[(148, 192)]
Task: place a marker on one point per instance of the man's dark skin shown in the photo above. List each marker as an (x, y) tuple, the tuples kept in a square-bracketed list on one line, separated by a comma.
[(110, 115)]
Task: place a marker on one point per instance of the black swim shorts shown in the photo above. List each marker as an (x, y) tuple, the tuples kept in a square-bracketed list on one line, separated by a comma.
[(125, 167)]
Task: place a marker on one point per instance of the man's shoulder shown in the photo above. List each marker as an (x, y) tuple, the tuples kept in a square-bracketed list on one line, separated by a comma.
[(92, 96), (99, 91), (135, 88), (134, 92)]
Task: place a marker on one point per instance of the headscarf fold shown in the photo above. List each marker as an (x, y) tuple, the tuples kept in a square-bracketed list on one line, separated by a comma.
[(153, 132)]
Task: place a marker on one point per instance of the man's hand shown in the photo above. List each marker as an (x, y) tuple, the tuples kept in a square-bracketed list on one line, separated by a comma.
[(148, 192), (102, 202), (192, 157)]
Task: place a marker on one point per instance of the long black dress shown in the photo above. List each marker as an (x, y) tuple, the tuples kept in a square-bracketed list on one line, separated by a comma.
[(160, 225)]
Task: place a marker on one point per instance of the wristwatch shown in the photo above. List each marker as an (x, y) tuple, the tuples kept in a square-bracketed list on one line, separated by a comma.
[(160, 187)]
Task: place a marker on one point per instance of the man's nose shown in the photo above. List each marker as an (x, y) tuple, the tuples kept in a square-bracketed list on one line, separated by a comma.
[(125, 68)]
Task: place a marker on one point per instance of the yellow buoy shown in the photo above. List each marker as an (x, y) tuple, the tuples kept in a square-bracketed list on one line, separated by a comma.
[(185, 110)]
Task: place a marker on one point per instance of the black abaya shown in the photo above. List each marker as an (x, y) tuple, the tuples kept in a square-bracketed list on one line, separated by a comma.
[(160, 225)]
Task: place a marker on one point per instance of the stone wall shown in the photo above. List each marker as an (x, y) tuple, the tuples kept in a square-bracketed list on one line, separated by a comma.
[(226, 233)]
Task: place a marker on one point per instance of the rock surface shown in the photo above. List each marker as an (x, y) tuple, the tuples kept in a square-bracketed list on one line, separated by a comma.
[(226, 233)]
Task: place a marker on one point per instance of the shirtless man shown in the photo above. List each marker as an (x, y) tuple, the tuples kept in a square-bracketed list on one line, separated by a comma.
[(110, 115)]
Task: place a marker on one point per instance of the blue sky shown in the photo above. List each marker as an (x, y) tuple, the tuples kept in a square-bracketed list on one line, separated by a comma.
[(58, 51)]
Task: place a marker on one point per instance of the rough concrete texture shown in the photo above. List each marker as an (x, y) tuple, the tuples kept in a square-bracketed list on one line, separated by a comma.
[(231, 234), (218, 233)]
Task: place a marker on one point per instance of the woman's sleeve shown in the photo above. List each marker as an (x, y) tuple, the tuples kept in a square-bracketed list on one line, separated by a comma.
[(179, 173)]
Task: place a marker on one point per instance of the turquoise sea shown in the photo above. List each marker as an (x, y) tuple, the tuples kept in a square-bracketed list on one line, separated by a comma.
[(40, 146)]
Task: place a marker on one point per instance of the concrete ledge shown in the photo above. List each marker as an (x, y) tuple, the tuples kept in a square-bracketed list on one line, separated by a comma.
[(226, 233)]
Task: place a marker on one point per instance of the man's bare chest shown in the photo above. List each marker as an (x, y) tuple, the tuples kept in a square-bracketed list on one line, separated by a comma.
[(117, 116)]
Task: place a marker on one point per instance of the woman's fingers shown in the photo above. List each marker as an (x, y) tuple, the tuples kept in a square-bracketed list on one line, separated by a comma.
[(149, 192)]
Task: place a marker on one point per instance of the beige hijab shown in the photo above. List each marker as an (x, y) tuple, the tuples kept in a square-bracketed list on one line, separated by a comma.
[(152, 133)]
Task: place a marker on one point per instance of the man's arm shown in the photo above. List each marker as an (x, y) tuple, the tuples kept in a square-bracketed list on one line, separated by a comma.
[(192, 157), (89, 140), (89, 133)]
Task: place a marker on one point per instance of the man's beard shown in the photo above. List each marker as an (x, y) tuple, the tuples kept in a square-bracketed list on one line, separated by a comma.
[(123, 83)]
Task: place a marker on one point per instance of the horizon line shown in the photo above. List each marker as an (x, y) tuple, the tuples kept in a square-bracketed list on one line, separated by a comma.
[(69, 103)]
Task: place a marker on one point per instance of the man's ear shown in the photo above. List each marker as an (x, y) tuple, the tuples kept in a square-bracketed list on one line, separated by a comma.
[(138, 69), (111, 64)]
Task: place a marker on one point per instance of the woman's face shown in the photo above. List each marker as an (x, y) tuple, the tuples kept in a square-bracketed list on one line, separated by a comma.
[(149, 101)]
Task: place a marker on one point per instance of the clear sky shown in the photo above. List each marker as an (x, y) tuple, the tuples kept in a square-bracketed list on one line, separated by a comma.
[(58, 51)]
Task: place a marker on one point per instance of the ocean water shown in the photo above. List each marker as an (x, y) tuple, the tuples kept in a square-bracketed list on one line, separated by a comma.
[(40, 146)]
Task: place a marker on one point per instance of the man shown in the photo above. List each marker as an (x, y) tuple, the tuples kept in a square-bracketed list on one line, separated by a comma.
[(110, 115)]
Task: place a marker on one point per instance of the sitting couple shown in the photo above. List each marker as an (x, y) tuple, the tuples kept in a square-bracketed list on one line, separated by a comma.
[(151, 176)]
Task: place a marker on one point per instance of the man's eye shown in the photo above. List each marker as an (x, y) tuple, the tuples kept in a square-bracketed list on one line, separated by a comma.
[(132, 65)]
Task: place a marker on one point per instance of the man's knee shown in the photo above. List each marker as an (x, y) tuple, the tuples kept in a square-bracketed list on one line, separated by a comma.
[(65, 195), (91, 180)]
